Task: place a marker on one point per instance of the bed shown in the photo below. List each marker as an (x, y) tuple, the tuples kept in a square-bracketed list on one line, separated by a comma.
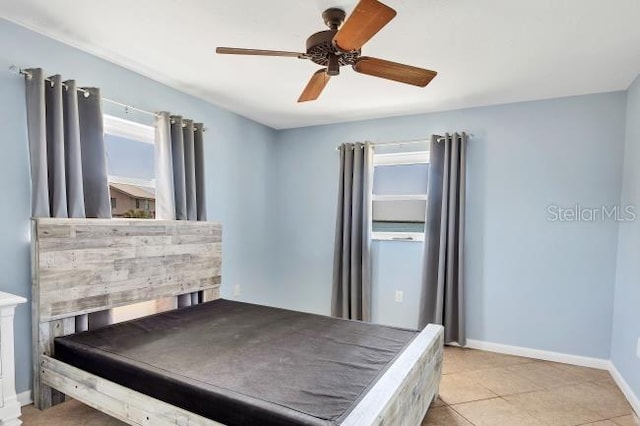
[(217, 362)]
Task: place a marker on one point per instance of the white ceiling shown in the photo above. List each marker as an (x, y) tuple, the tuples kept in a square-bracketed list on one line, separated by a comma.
[(486, 52)]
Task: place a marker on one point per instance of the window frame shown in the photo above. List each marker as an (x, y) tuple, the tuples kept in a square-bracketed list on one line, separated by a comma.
[(398, 159), (128, 129)]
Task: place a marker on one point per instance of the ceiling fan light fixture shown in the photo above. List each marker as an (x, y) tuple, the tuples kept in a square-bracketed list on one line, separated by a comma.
[(333, 67)]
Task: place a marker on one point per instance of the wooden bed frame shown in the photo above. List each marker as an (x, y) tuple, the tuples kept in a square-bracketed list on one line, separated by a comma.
[(81, 266)]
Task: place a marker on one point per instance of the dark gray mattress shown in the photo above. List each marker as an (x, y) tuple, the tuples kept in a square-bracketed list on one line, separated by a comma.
[(242, 364)]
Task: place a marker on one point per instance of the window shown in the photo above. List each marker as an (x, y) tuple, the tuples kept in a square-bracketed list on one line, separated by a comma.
[(130, 150), (400, 195)]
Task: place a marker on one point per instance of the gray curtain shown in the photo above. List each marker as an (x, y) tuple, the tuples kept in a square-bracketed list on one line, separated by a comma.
[(442, 298), (351, 295), (180, 187), (67, 154)]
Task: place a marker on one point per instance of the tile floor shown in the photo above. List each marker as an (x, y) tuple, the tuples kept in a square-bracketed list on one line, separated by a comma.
[(487, 389), (478, 388)]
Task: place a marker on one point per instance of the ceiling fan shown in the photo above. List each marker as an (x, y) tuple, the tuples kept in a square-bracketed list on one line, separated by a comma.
[(341, 45)]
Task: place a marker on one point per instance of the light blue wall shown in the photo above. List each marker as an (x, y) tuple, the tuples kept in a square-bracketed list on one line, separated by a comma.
[(529, 282), (238, 158), (397, 266), (626, 315)]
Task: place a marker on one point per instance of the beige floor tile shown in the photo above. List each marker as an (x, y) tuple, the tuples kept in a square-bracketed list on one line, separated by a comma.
[(502, 381), (584, 373), (495, 412), (544, 374), (601, 423), (609, 382), (70, 413), (444, 416), (456, 388), (458, 360), (630, 420), (438, 402), (607, 401), (552, 409)]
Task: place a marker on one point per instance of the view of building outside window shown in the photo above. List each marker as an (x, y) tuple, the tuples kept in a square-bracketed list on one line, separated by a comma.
[(130, 165)]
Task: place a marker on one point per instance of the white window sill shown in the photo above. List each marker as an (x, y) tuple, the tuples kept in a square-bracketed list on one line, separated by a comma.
[(399, 197), (398, 236)]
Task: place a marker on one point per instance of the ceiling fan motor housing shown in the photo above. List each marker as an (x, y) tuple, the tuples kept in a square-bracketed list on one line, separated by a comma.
[(321, 49)]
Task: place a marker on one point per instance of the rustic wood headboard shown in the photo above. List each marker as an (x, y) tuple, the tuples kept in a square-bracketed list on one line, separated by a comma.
[(80, 266)]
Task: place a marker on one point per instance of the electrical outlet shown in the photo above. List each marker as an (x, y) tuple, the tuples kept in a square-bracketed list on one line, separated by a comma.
[(236, 290), (399, 296)]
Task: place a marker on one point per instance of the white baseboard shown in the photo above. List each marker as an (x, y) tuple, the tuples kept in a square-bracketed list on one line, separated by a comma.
[(626, 389), (24, 398), (583, 361)]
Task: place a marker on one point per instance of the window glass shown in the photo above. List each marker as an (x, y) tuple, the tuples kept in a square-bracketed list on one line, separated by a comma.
[(401, 179), (129, 158)]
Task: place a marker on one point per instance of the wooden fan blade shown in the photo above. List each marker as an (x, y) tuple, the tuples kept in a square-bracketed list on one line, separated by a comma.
[(258, 52), (394, 71), (364, 22), (315, 86)]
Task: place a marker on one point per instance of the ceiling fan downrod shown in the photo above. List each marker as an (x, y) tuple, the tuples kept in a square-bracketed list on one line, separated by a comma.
[(334, 17)]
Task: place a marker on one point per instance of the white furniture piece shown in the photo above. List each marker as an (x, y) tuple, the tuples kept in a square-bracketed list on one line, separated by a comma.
[(9, 406)]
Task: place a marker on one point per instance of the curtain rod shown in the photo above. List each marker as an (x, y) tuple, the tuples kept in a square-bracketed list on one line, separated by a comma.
[(20, 71), (405, 142)]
